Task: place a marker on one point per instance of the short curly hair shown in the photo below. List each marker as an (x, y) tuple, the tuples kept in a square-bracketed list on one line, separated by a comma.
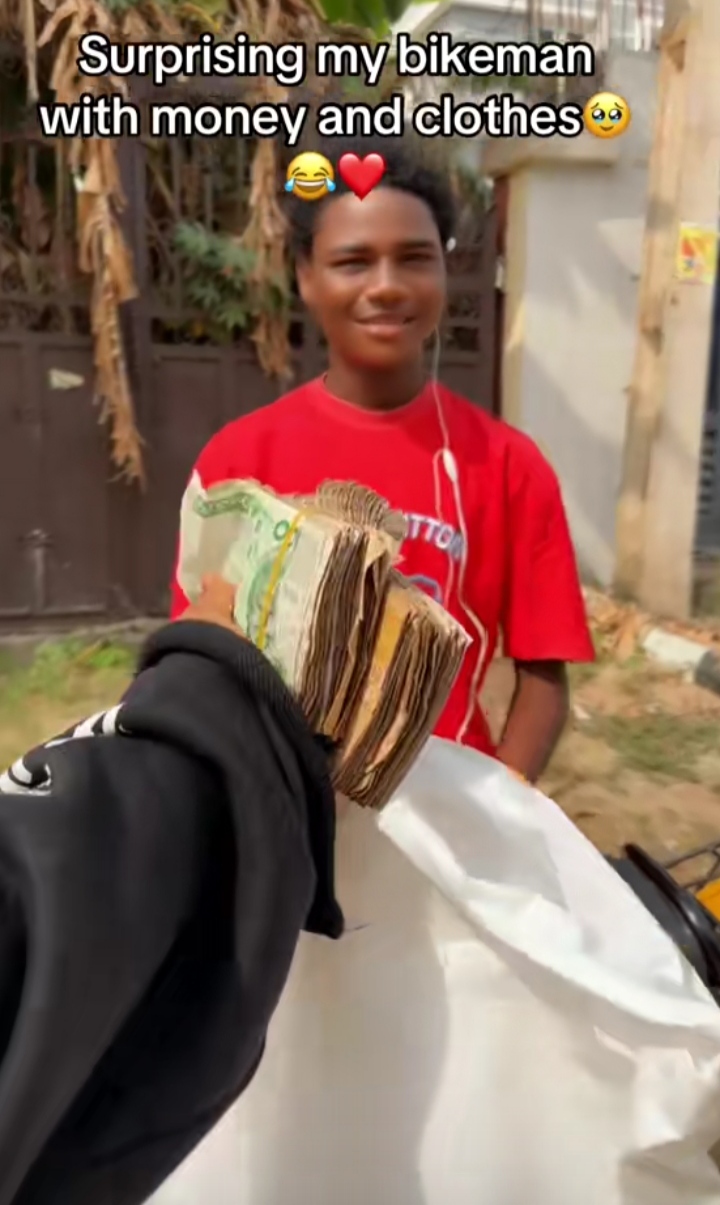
[(406, 169)]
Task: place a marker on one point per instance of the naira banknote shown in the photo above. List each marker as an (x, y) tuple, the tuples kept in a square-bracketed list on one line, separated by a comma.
[(369, 658)]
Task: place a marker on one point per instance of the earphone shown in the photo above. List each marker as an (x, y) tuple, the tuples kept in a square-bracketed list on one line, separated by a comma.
[(449, 464), (446, 457)]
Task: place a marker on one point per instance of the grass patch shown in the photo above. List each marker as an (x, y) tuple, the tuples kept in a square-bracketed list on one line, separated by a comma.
[(60, 668), (637, 675), (636, 662), (66, 681), (662, 745)]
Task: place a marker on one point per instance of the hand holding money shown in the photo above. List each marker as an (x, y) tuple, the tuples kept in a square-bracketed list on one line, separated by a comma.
[(216, 604), (369, 657)]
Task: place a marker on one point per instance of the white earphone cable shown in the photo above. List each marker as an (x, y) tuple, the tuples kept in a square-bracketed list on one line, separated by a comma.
[(445, 456)]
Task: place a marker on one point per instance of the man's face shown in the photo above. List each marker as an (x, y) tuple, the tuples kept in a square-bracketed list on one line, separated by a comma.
[(375, 282)]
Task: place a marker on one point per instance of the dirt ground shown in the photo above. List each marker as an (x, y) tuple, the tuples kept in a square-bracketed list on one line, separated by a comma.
[(640, 760)]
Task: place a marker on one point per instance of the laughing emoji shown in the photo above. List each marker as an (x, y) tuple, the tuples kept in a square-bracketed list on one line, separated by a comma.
[(310, 176), (607, 115)]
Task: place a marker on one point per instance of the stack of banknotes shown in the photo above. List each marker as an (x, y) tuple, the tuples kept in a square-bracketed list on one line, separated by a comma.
[(369, 657)]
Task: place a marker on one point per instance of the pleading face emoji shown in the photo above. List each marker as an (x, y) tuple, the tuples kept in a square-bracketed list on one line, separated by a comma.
[(607, 115)]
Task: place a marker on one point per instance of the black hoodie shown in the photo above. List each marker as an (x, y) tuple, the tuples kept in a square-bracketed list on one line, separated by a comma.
[(157, 865)]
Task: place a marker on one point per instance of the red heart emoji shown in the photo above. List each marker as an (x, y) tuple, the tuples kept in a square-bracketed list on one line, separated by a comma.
[(361, 175)]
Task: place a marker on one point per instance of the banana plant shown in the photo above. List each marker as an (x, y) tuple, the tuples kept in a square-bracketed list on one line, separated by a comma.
[(376, 16)]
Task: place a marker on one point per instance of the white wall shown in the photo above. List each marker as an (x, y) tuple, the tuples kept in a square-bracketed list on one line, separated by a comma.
[(468, 23), (583, 251)]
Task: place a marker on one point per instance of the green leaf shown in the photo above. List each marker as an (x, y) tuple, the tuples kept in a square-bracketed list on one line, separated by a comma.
[(375, 15), (218, 274)]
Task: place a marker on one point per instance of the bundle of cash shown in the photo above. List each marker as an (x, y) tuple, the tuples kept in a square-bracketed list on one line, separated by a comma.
[(370, 659)]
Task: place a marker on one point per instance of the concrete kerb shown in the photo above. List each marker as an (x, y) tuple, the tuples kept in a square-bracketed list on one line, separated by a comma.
[(700, 663), (21, 647)]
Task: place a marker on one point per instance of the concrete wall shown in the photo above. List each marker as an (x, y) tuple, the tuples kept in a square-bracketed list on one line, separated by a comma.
[(574, 253)]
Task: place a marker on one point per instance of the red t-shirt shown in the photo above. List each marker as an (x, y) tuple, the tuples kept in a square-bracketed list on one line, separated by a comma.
[(520, 575)]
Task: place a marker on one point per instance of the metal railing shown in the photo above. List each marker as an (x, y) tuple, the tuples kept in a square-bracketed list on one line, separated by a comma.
[(633, 25)]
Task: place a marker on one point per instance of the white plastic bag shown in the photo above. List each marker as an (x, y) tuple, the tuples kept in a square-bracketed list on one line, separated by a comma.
[(503, 1023)]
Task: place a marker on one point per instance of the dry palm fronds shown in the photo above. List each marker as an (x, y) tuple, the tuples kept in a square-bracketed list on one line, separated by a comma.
[(618, 627), (104, 255), (265, 237), (78, 17), (275, 21), (30, 42), (99, 200)]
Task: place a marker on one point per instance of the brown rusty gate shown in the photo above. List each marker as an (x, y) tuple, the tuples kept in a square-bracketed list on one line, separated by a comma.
[(75, 545), (708, 527)]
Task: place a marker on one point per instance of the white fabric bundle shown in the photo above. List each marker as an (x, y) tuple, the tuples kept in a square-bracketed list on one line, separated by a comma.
[(503, 1022)]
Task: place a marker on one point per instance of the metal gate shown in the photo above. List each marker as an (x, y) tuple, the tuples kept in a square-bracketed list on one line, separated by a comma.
[(708, 531), (74, 543)]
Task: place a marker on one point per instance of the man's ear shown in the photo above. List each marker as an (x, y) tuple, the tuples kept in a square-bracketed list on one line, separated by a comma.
[(303, 272)]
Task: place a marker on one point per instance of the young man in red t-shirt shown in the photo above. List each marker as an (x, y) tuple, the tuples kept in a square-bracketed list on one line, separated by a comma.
[(487, 533)]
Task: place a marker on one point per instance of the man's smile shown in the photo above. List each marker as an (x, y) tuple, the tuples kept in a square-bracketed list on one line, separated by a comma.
[(386, 319), (385, 326)]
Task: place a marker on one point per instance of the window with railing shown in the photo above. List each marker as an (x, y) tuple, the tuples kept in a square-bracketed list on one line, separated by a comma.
[(632, 26)]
